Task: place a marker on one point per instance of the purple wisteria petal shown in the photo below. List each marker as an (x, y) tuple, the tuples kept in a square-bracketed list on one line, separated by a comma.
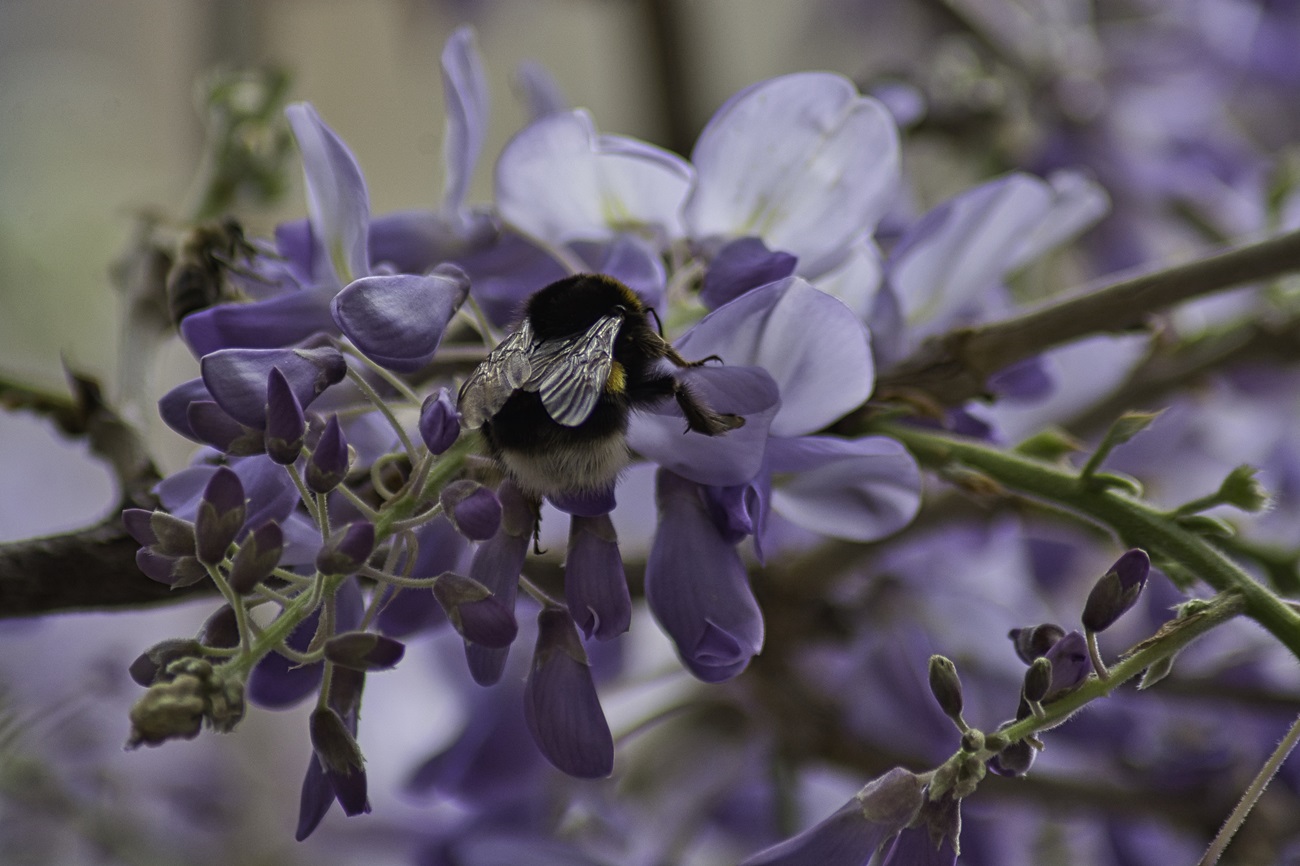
[(236, 378), (964, 247), (283, 320), (270, 492), (473, 509), (539, 90), (735, 457), (854, 831), (397, 321), (212, 426), (439, 421), (220, 515), (174, 571), (169, 534), (465, 94), (477, 614), (585, 503), (497, 564), (1071, 664), (315, 800), (286, 425), (337, 200), (803, 161), (561, 706), (818, 352), (173, 407), (328, 465), (630, 260), (698, 588), (741, 265), (504, 273), (857, 489), (558, 180), (595, 586)]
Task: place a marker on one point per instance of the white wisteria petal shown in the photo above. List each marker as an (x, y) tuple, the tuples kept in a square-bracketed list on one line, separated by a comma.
[(803, 161), (856, 280), (964, 246), (815, 348), (559, 181), (337, 200), (1077, 203)]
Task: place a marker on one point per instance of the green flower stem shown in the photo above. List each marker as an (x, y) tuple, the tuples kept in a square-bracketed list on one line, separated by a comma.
[(1136, 523), (1252, 795), (1171, 638), (279, 629)]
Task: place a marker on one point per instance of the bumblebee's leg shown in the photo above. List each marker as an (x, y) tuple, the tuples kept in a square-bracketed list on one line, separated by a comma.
[(675, 357), (699, 417)]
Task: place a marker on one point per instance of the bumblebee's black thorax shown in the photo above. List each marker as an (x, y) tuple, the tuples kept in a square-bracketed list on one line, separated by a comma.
[(573, 305)]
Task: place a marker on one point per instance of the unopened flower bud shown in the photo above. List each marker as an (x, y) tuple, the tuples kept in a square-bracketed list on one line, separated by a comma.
[(439, 421), (221, 629), (341, 758), (165, 533), (348, 549), (475, 612), (145, 669), (364, 651), (1242, 489), (328, 465), (1117, 591), (1038, 680), (220, 516), (472, 508), (257, 557), (1070, 664), (1035, 641), (1014, 760), (945, 685), (286, 425)]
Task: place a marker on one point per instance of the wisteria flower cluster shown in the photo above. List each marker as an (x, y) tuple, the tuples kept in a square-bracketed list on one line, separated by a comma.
[(816, 345)]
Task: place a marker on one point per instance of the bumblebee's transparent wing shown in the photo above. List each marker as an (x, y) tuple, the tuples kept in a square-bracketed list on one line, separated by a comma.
[(503, 372), (569, 374)]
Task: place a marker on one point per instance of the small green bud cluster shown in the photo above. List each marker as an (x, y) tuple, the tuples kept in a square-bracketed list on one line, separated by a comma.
[(186, 693)]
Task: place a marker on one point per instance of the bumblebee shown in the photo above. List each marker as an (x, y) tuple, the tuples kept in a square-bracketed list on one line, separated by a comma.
[(554, 398), (197, 279)]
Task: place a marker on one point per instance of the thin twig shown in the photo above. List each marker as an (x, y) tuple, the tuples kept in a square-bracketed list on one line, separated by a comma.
[(956, 367), (1252, 795)]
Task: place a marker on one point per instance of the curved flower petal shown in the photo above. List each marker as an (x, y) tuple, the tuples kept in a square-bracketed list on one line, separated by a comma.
[(858, 489), (697, 587), (814, 347), (558, 180), (398, 320), (740, 265), (1077, 203), (174, 406), (660, 434), (964, 247), (561, 706), (280, 321), (465, 92), (337, 199), (236, 378), (803, 161), (856, 280)]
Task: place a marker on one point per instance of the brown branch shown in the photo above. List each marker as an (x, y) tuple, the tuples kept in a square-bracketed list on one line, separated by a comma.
[(91, 569), (956, 367)]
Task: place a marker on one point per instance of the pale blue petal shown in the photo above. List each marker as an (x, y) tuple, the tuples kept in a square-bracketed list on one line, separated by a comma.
[(337, 200)]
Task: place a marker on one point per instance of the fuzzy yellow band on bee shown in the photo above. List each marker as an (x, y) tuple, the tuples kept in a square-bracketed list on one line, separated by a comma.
[(616, 382)]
